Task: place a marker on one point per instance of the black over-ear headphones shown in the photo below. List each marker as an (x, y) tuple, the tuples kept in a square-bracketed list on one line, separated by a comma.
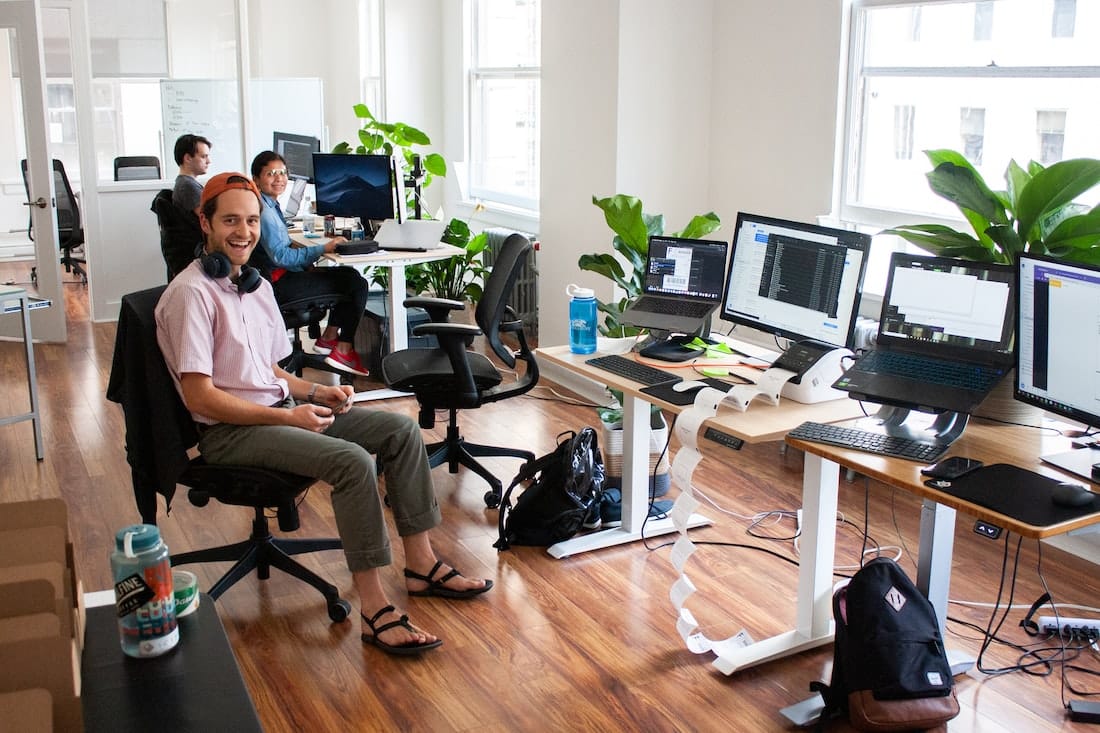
[(217, 266)]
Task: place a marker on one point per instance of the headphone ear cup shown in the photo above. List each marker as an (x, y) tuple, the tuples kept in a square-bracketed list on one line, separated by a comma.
[(249, 279), (216, 265)]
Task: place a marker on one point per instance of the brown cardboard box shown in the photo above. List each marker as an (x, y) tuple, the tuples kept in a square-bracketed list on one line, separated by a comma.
[(27, 711)]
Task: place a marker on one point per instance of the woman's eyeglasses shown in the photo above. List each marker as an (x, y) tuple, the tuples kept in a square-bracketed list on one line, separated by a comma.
[(276, 173)]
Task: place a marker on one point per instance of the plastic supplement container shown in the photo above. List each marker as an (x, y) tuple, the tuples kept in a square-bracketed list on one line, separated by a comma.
[(144, 596), (582, 319)]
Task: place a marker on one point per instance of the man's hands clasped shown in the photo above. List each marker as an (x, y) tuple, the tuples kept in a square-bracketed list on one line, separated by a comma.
[(327, 402)]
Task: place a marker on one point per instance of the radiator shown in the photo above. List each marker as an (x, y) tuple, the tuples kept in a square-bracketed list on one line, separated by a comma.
[(525, 295)]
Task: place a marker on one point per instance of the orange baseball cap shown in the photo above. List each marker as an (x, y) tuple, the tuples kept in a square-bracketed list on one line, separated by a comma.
[(223, 182)]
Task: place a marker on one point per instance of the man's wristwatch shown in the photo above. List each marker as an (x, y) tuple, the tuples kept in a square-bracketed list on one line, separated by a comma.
[(312, 391)]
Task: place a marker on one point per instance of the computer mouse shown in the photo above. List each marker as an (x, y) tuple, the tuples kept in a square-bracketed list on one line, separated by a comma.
[(688, 386), (1070, 494)]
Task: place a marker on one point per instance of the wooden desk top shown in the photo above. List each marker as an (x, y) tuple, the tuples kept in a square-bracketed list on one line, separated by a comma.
[(381, 258), (761, 422), (988, 442)]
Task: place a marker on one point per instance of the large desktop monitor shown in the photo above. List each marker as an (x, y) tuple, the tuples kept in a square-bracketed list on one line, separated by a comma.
[(796, 281), (297, 151), (355, 185), (1057, 350)]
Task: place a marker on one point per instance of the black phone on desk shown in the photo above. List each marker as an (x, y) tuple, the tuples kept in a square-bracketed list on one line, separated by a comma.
[(952, 468)]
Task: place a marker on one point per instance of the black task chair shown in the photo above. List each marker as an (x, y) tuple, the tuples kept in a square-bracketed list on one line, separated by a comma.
[(180, 233), (70, 233), (159, 432), (137, 168), (306, 313), (453, 378)]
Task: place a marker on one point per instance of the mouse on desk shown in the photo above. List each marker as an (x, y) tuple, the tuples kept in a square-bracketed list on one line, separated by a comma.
[(688, 386), (1071, 494)]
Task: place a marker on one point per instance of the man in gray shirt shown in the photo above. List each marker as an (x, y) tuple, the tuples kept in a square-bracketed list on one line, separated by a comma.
[(192, 153)]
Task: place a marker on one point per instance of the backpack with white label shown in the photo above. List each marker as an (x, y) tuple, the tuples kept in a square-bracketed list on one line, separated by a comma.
[(890, 669)]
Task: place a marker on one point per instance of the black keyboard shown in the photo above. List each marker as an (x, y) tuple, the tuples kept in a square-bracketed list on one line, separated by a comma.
[(864, 440), (931, 370), (633, 370), (357, 248)]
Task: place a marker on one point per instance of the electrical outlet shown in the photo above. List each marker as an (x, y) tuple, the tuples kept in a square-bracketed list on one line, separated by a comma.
[(1080, 628)]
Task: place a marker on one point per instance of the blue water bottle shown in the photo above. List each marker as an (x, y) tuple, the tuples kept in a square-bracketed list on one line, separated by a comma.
[(144, 596), (582, 319)]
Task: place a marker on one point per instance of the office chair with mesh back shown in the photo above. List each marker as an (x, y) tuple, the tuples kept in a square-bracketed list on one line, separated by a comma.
[(70, 233), (180, 233), (453, 378), (137, 168), (159, 432)]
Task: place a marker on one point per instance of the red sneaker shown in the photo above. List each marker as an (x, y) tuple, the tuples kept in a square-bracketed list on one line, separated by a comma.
[(348, 362), (323, 346)]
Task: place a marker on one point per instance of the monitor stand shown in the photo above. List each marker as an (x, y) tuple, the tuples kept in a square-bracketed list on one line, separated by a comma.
[(946, 428), (663, 347), (1078, 461)]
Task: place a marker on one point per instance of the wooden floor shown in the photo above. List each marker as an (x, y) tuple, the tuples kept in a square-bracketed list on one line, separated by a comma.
[(587, 643)]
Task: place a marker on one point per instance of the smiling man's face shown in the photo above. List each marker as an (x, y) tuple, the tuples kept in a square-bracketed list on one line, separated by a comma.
[(234, 229)]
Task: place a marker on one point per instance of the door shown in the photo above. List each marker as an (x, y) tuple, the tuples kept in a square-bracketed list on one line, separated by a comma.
[(20, 22)]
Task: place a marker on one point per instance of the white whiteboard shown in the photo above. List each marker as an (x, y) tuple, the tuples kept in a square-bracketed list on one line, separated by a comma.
[(208, 107)]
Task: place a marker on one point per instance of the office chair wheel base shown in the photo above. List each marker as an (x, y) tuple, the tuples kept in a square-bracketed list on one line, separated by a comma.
[(339, 610), (492, 499)]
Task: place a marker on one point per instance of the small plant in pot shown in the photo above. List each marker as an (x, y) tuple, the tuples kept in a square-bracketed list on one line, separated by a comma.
[(611, 421)]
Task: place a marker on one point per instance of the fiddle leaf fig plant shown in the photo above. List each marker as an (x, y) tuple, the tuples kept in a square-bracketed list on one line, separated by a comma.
[(1036, 213), (632, 228)]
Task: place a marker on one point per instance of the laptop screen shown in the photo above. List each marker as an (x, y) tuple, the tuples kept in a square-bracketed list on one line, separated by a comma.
[(952, 308), (689, 268)]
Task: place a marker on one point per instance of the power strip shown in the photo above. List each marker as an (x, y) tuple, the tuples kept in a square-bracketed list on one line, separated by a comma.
[(1088, 628)]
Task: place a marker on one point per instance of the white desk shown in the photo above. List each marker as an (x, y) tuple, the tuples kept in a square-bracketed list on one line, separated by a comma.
[(16, 300), (395, 262), (760, 423)]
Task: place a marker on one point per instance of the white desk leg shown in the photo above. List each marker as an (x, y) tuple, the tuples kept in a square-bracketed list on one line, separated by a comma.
[(814, 614), (32, 377), (635, 491), (937, 544), (399, 318)]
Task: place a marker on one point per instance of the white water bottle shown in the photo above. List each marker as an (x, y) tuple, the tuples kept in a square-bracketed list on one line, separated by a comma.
[(307, 216), (582, 319)]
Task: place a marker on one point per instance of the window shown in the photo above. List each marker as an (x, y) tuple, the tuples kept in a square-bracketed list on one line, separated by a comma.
[(504, 102), (972, 132), (1019, 95)]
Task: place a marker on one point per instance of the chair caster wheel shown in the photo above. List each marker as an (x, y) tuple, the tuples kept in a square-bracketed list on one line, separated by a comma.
[(339, 610), (492, 499)]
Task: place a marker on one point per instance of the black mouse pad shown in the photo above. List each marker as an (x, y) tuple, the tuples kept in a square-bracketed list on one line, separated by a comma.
[(668, 394), (1018, 493)]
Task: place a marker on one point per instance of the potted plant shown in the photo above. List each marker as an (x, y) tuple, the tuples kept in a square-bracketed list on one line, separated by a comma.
[(611, 422), (1036, 212), (455, 278), (632, 228)]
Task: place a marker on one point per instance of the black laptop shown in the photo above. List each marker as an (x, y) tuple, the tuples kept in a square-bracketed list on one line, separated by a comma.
[(682, 287), (945, 336)]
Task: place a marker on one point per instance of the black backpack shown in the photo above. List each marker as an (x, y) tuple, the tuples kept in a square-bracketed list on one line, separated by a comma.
[(890, 669), (565, 486)]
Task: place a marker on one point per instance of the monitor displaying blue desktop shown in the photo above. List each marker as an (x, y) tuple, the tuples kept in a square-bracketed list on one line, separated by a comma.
[(355, 185), (796, 281), (297, 151), (1057, 350)]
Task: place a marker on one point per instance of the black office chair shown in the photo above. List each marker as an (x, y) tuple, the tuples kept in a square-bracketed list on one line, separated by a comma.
[(453, 378), (307, 313), (159, 432), (137, 168), (70, 234), (180, 233)]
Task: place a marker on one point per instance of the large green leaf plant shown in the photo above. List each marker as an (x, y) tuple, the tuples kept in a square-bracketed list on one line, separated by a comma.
[(632, 228), (1036, 213)]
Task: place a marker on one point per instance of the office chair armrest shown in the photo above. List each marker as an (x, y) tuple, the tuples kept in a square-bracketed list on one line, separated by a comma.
[(446, 329), (438, 309)]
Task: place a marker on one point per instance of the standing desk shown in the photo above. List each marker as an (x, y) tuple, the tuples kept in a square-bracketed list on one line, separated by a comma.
[(17, 300), (395, 263), (761, 422), (991, 444)]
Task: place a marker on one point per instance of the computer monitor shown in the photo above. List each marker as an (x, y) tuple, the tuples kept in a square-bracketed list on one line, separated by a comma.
[(1056, 352), (297, 151), (797, 281), (355, 185)]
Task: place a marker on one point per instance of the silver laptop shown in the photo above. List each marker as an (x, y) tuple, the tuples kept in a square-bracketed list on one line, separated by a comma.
[(683, 284), (297, 191), (414, 235)]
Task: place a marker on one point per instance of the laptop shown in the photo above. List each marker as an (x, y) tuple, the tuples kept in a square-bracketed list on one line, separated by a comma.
[(297, 192), (682, 286), (413, 235), (945, 336)]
